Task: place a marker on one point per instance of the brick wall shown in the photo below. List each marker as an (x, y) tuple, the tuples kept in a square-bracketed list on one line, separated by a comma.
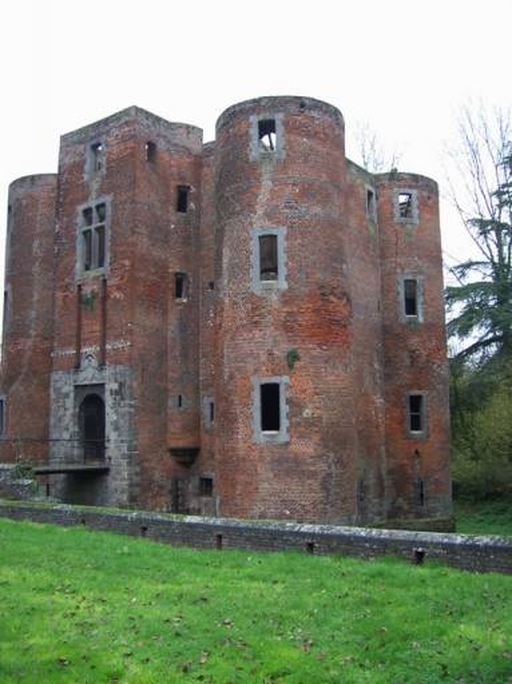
[(478, 554)]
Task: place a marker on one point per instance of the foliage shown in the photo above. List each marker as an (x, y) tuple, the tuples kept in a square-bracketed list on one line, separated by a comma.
[(489, 517), (480, 304), (481, 300), (94, 607)]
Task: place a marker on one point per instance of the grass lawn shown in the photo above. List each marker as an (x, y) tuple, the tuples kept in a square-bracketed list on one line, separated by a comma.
[(82, 607), (487, 517)]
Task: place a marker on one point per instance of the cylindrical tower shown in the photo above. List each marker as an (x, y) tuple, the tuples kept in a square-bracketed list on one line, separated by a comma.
[(284, 386), (27, 322), (415, 359)]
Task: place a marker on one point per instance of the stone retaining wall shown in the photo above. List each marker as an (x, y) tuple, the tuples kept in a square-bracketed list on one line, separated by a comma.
[(480, 554)]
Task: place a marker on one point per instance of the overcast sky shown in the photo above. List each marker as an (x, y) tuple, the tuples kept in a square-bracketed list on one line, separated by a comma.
[(405, 67)]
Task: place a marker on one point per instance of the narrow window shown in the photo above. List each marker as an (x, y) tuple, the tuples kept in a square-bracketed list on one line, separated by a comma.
[(205, 486), (97, 151), (101, 212), (180, 401), (87, 246), (180, 286), (2, 416), (270, 407), (212, 412), (268, 257), (182, 199), (416, 413), (370, 204), (267, 134), (411, 297), (150, 151), (100, 246), (405, 205), (420, 492), (88, 216)]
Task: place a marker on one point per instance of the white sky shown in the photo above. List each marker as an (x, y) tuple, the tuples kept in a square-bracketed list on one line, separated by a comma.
[(403, 66)]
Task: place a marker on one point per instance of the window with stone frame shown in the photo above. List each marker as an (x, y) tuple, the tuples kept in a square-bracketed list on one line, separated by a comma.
[(268, 259), (417, 414), (406, 206), (270, 409), (411, 298), (93, 233)]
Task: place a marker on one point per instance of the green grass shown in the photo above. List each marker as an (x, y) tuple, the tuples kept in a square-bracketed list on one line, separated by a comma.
[(82, 607), (484, 517)]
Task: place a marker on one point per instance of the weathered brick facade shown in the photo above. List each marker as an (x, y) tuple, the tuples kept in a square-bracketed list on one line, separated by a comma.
[(253, 327)]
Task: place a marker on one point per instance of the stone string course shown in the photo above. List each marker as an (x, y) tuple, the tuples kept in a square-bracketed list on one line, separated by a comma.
[(467, 552)]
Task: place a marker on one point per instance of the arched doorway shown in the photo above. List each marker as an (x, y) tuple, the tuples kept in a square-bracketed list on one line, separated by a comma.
[(91, 418)]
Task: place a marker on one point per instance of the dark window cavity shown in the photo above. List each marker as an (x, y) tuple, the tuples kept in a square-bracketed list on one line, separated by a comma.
[(180, 401), (182, 199), (270, 407), (270, 410), (205, 486), (268, 257), (371, 205), (416, 414), (181, 286), (2, 416), (93, 237), (411, 297), (212, 412), (150, 151), (267, 135)]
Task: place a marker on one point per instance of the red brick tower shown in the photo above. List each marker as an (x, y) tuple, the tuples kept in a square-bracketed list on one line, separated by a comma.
[(27, 325), (286, 385), (126, 310), (415, 356)]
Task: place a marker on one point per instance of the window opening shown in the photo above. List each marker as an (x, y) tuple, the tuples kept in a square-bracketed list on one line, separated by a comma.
[(270, 407), (211, 285), (150, 151), (411, 297), (416, 413), (180, 401), (267, 134), (205, 486), (212, 412), (370, 203), (180, 286), (268, 257), (182, 199), (420, 485), (405, 205), (87, 238), (94, 237), (2, 416), (97, 150)]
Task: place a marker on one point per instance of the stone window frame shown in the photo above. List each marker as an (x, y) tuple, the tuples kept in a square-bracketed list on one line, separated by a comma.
[(256, 150), (258, 285), (420, 297), (272, 437), (423, 432), (415, 216), (82, 226)]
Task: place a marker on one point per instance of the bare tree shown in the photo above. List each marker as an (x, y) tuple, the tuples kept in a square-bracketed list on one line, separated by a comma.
[(481, 301), (372, 154)]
